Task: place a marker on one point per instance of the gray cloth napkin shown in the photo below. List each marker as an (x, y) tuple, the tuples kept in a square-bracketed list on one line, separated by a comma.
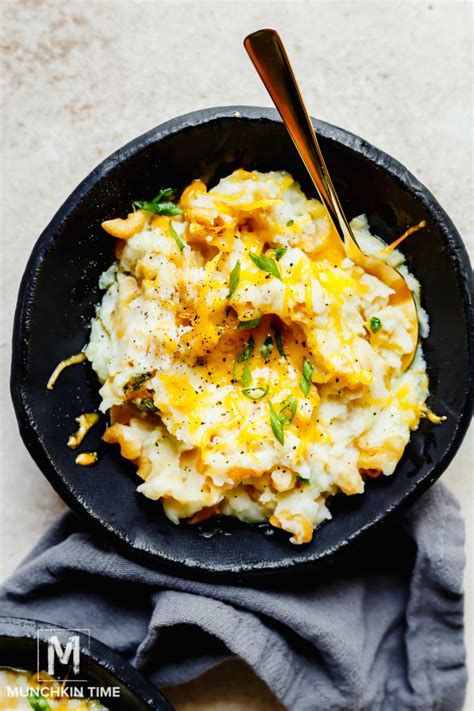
[(381, 629)]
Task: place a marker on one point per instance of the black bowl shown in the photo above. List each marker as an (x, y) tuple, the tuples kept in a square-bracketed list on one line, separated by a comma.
[(24, 645), (59, 291)]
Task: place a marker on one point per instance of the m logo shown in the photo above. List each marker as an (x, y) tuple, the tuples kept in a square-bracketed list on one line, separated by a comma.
[(59, 653), (71, 649)]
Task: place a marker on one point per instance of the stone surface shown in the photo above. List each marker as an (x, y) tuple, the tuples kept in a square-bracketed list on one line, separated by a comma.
[(82, 78)]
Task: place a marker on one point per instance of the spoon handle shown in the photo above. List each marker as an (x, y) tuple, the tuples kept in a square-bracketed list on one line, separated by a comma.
[(268, 55)]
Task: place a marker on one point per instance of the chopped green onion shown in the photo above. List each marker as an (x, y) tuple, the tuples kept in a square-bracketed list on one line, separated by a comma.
[(176, 237), (266, 348), (277, 426), (305, 380), (38, 702), (137, 381), (161, 204), (303, 479), (279, 252), (247, 351), (245, 325), (234, 279), (375, 324), (245, 355), (255, 393), (246, 377), (266, 264), (290, 222), (278, 341), (288, 410), (283, 417), (165, 194), (146, 405), (168, 208)]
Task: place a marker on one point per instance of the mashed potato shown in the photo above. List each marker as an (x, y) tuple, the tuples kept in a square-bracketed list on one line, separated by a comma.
[(249, 367), (21, 690)]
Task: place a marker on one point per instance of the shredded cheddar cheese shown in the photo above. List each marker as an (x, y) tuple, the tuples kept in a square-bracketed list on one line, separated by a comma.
[(86, 459), (85, 422), (393, 245), (72, 360)]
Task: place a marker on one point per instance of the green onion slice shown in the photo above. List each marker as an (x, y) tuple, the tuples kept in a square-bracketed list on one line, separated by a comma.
[(246, 377), (247, 352), (161, 204), (266, 348), (277, 426), (245, 325), (288, 410), (137, 381), (176, 237), (278, 341), (255, 393), (305, 380), (266, 264), (234, 279), (146, 405), (375, 324), (279, 252)]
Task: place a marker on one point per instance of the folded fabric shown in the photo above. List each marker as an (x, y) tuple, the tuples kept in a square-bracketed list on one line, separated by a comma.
[(380, 629)]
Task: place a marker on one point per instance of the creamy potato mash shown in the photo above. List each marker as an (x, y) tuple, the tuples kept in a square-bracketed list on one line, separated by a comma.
[(249, 367), (18, 691)]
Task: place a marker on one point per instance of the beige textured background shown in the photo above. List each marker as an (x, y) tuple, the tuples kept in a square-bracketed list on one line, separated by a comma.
[(82, 78)]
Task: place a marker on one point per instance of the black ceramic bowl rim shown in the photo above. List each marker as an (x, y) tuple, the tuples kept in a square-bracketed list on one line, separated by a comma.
[(19, 628), (30, 436)]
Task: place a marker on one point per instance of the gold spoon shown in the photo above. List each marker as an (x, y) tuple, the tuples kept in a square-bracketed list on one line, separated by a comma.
[(268, 55)]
